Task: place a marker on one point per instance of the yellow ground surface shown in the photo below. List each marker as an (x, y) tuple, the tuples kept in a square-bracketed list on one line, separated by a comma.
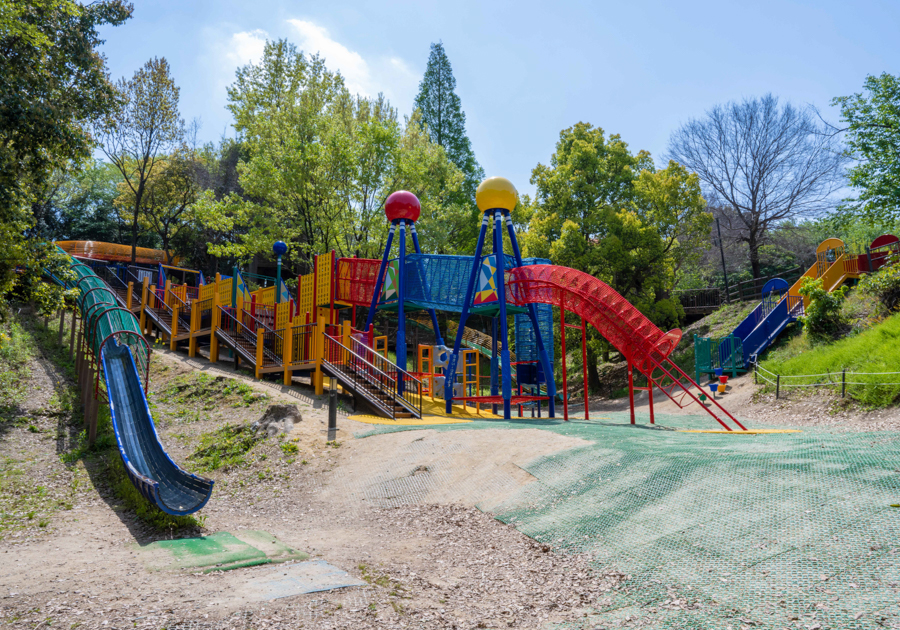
[(432, 413), (739, 432)]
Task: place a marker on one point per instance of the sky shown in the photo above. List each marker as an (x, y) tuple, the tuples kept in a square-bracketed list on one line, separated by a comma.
[(527, 70)]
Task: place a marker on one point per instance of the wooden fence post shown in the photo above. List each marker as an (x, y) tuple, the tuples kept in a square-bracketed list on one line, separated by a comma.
[(72, 334)]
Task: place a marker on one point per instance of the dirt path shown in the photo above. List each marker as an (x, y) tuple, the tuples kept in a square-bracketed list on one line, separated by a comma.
[(396, 510)]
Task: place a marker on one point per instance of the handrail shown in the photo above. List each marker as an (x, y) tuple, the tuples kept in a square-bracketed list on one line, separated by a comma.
[(403, 388), (364, 360)]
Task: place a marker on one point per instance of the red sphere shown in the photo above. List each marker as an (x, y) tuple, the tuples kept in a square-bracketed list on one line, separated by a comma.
[(402, 205)]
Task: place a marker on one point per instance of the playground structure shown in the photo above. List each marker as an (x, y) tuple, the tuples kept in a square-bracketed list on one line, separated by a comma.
[(782, 304), (315, 331)]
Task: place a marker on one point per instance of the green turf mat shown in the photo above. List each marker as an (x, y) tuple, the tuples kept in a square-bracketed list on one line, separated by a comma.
[(790, 530), (219, 552)]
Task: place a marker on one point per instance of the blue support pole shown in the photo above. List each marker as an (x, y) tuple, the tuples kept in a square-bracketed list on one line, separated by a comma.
[(401, 313), (379, 282), (434, 320), (495, 362), (470, 289), (532, 314), (506, 378)]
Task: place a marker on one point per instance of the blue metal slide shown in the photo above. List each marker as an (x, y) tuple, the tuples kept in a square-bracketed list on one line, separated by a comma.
[(149, 467)]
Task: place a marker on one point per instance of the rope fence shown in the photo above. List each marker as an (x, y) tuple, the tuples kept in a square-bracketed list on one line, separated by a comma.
[(828, 379)]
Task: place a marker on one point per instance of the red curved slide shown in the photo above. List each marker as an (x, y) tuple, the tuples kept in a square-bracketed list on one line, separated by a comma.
[(639, 340)]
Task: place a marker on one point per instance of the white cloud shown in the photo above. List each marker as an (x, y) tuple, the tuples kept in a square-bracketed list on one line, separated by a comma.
[(355, 70), (246, 47), (390, 75)]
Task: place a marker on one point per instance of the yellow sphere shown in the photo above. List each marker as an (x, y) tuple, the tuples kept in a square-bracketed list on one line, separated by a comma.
[(496, 192)]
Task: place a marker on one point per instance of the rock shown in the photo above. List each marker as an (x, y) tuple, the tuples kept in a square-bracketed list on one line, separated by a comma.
[(278, 419)]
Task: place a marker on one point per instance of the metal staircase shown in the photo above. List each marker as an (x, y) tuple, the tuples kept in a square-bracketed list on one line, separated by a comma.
[(391, 390)]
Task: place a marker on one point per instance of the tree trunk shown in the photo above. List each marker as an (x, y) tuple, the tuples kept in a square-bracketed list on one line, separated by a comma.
[(753, 244), (134, 229), (593, 383)]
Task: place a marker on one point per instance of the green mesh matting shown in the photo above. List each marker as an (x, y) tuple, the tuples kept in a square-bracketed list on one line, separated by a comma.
[(219, 552), (790, 530)]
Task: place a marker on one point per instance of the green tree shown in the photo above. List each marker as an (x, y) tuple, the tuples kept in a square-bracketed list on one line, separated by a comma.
[(138, 134), (873, 139), (443, 115), (605, 211), (83, 207), (445, 120), (319, 164), (53, 84), (169, 196)]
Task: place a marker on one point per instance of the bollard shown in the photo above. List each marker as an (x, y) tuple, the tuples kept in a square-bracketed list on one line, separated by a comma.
[(332, 410)]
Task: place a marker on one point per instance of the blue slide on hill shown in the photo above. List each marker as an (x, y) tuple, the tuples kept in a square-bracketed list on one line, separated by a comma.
[(752, 336), (149, 467)]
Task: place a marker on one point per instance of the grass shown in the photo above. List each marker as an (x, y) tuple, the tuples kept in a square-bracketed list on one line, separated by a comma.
[(197, 391), (16, 350), (225, 448), (872, 350)]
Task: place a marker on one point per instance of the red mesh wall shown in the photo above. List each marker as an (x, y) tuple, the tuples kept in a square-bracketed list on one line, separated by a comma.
[(356, 280), (625, 327)]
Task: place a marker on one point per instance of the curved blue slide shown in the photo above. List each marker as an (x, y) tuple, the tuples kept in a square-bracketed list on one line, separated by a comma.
[(151, 470)]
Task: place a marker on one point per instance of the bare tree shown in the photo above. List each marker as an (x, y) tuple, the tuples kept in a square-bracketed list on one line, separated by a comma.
[(768, 162), (142, 131)]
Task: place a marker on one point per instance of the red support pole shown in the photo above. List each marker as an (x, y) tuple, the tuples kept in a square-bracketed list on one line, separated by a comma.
[(631, 390), (331, 284), (562, 340), (584, 366), (650, 393)]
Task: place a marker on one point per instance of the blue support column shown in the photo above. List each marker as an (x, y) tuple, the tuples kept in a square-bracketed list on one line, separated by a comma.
[(495, 362), (379, 282), (506, 378), (470, 289), (434, 320), (532, 314), (401, 312)]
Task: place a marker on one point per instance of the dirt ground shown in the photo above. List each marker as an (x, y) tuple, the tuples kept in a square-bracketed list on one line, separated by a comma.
[(441, 562), (749, 402)]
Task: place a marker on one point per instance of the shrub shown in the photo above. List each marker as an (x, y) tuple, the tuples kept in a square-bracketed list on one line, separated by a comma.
[(823, 320), (885, 285)]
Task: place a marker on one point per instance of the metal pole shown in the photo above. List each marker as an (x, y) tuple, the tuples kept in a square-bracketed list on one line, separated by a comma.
[(584, 366), (777, 386), (631, 391), (332, 410), (278, 282), (722, 252), (843, 382), (562, 339)]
